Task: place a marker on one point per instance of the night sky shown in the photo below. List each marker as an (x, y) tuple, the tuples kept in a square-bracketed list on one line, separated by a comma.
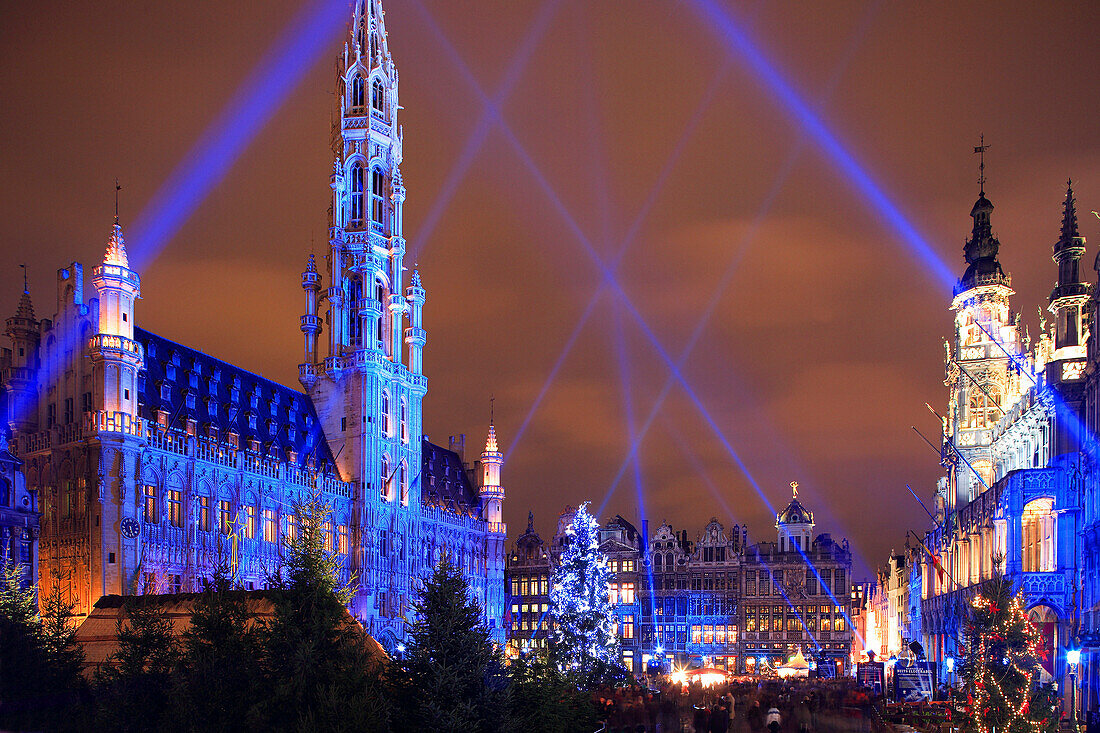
[(824, 345)]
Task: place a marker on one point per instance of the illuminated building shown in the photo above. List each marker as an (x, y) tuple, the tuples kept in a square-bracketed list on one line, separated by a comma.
[(716, 600), (154, 461), (1011, 496)]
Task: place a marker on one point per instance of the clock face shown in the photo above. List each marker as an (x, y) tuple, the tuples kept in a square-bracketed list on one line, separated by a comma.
[(130, 528)]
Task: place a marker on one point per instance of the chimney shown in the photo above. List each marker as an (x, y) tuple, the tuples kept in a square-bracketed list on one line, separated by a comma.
[(458, 445)]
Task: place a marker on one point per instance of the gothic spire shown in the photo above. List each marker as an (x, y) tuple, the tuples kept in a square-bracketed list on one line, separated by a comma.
[(982, 247), (116, 249), (26, 308), (1070, 232)]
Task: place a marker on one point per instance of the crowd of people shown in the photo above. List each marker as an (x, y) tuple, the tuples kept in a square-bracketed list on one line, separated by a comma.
[(737, 707)]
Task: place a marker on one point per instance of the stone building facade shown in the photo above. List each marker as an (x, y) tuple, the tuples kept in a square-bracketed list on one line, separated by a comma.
[(715, 599), (153, 461)]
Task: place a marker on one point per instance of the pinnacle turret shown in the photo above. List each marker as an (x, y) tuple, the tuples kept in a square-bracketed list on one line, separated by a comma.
[(25, 310), (1071, 235), (116, 249)]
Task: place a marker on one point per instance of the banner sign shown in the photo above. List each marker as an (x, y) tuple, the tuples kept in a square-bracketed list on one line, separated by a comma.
[(913, 684)]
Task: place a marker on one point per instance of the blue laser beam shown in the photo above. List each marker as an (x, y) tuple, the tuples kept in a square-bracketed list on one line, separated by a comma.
[(485, 122), (286, 62)]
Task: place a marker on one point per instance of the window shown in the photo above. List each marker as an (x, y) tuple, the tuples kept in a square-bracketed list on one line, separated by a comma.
[(150, 503), (225, 518), (249, 522), (378, 97), (357, 95), (385, 421), (613, 593), (384, 489), (377, 186), (628, 592), (696, 634), (627, 627), (68, 410), (404, 421), (355, 217), (838, 625), (269, 525), (204, 514), (291, 526), (826, 624), (342, 539), (327, 535), (1037, 536), (404, 484), (175, 508)]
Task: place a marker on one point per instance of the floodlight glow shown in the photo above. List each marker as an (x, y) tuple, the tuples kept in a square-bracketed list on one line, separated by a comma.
[(1073, 657)]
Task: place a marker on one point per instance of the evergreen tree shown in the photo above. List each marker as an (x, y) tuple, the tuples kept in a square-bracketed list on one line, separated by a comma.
[(40, 662), (1001, 665), (134, 686), (219, 675), (452, 677), (580, 608), (320, 672), (547, 699)]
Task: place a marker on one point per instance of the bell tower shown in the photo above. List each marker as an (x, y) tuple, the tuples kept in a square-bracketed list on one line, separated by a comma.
[(116, 357)]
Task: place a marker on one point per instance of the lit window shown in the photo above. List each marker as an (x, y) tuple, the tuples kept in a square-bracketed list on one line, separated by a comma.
[(250, 522), (204, 514), (329, 538), (342, 542), (1038, 532), (291, 526), (628, 592), (225, 518), (175, 508), (150, 503), (269, 525), (384, 489), (627, 627), (613, 593), (696, 634)]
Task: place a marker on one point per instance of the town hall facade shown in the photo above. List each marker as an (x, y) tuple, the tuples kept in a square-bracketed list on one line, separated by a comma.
[(151, 462)]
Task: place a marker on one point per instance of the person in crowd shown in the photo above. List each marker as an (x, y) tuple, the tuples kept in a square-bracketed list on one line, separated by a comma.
[(773, 721)]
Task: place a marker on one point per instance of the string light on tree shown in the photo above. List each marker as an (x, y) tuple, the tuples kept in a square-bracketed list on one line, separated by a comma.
[(1003, 653), (580, 607)]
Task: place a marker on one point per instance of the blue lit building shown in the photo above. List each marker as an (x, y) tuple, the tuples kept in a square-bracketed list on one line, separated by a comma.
[(1015, 484), (154, 461)]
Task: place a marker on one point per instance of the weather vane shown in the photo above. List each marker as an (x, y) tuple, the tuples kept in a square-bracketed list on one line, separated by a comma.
[(979, 150), (794, 488)]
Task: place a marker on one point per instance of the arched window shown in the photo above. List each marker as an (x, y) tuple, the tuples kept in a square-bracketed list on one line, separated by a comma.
[(384, 490), (1037, 531), (404, 421), (404, 483), (355, 321), (657, 561), (357, 100), (378, 98), (385, 421), (355, 217), (377, 186)]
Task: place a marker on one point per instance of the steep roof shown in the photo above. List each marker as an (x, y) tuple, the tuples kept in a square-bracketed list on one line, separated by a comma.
[(444, 481), (229, 398)]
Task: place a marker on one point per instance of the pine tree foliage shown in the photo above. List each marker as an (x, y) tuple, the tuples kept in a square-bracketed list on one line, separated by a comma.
[(135, 684), (452, 677), (219, 675), (39, 659), (547, 699), (319, 670), (1001, 665), (580, 608)]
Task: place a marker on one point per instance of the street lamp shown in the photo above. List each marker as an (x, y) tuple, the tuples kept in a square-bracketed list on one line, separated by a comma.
[(1073, 658)]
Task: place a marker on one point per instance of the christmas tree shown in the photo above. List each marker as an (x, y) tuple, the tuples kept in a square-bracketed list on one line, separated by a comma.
[(584, 633), (1001, 668)]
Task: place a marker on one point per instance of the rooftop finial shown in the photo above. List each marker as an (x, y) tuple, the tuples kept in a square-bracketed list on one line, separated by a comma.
[(979, 150), (492, 407), (794, 488), (117, 189), (24, 266)]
